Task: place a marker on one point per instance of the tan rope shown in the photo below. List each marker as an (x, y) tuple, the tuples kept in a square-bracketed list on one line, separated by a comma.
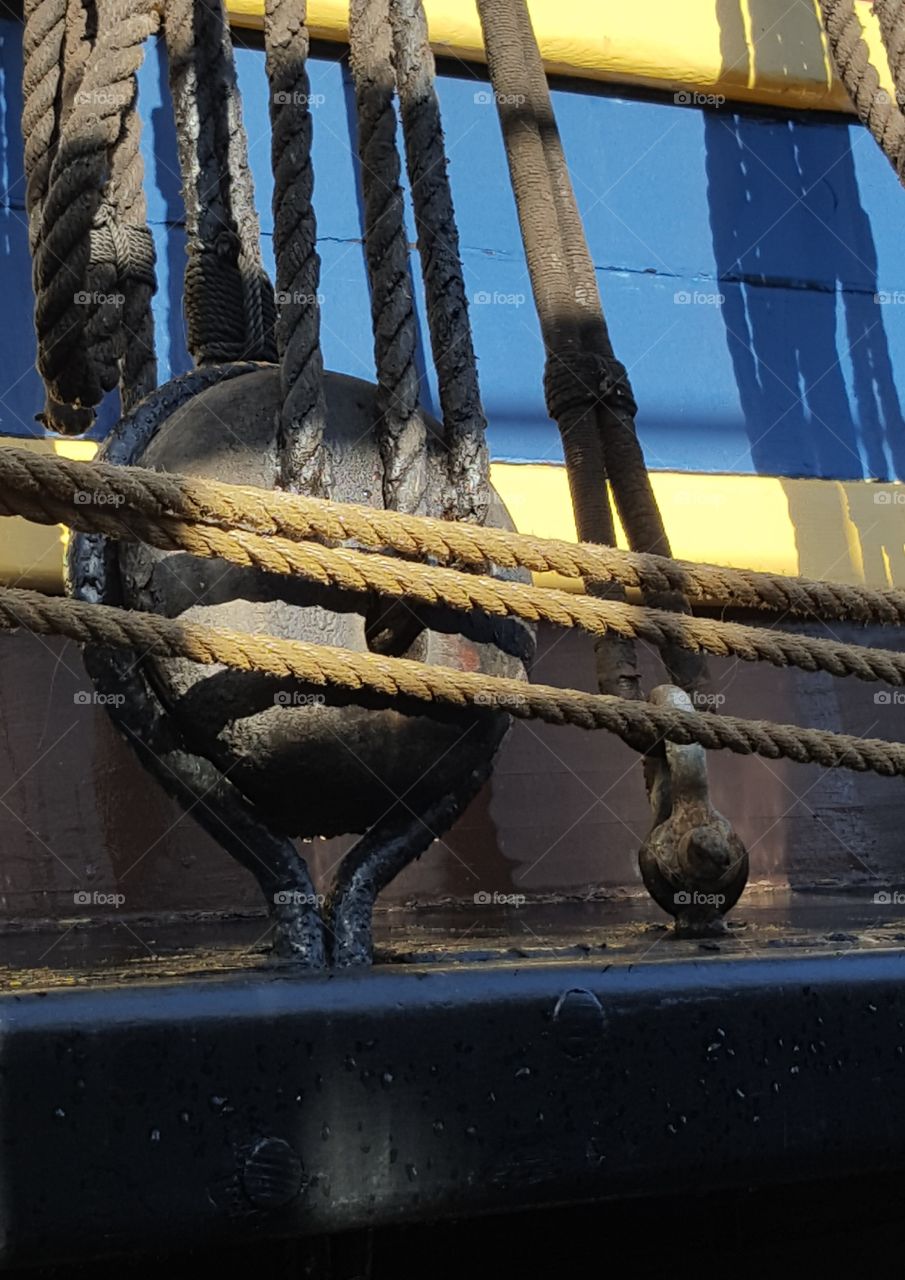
[(33, 485), (392, 678), (352, 570), (876, 109)]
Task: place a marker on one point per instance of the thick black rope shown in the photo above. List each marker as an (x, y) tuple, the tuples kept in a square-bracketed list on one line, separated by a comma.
[(464, 423), (93, 254), (42, 79), (125, 245), (587, 388), (228, 298), (559, 316), (304, 460), (400, 427)]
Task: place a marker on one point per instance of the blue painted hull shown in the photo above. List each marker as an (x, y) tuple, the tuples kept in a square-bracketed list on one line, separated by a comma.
[(740, 258)]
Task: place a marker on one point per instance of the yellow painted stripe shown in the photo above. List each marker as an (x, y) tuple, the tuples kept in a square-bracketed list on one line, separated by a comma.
[(848, 531), (770, 51), (32, 555), (852, 532)]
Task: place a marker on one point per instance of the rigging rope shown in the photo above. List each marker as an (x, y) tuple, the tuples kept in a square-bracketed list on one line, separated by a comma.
[(132, 255), (383, 677), (607, 377), (87, 223), (92, 247), (892, 31), (350, 570), (464, 423), (851, 57), (50, 489), (228, 299), (304, 460), (586, 387), (42, 76), (94, 260), (400, 427)]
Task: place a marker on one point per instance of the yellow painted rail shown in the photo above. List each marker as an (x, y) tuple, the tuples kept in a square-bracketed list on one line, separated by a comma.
[(770, 51)]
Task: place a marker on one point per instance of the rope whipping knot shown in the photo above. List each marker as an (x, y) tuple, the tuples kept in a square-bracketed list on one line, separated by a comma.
[(215, 298), (120, 261), (128, 248), (575, 380)]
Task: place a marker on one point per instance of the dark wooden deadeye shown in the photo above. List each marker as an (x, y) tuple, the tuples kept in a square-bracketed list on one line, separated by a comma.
[(217, 1096)]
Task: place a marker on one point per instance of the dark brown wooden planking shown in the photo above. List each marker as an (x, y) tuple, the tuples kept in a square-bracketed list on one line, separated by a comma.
[(565, 811)]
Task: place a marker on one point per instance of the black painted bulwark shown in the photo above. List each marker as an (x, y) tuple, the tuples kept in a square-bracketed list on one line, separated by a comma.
[(153, 1116)]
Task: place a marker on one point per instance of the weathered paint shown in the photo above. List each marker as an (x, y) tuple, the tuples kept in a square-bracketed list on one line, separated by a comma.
[(747, 50), (739, 258), (32, 555)]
